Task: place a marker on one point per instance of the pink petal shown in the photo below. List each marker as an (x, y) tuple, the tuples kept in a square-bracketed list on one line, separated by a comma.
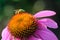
[(46, 35), (49, 22), (17, 39), (40, 25), (5, 34), (10, 38), (44, 13), (34, 38)]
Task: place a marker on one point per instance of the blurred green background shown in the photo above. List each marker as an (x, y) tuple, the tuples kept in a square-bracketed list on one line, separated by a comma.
[(7, 8)]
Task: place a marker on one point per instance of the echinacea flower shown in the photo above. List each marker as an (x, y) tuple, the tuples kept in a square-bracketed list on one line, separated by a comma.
[(24, 26)]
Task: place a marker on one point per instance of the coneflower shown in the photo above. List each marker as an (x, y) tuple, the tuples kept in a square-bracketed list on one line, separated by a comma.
[(25, 26)]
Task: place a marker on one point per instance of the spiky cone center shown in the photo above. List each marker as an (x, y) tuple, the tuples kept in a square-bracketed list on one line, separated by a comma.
[(22, 25)]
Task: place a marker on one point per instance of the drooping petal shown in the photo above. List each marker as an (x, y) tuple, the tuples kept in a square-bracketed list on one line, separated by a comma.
[(5, 34), (17, 39), (10, 38), (34, 38), (46, 35), (40, 25), (44, 13), (49, 22)]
